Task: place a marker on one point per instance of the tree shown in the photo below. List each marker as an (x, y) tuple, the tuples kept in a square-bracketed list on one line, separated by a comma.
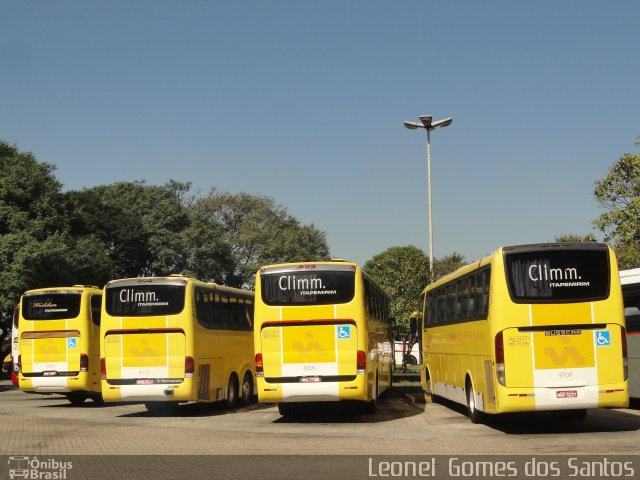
[(140, 226), (257, 231), (619, 194), (35, 247), (447, 264), (402, 272)]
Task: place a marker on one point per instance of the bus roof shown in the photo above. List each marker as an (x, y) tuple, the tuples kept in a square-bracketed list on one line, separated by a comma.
[(524, 247), (301, 265), (630, 276), (50, 290)]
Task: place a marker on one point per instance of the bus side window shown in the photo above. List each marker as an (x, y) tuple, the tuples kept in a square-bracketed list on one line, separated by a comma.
[(96, 308), (204, 307), (486, 274), (249, 313)]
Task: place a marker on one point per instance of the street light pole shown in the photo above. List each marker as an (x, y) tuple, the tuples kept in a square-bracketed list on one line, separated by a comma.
[(428, 125)]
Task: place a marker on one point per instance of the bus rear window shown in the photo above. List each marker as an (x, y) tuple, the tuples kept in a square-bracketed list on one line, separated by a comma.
[(55, 306), (144, 300), (320, 287), (558, 275)]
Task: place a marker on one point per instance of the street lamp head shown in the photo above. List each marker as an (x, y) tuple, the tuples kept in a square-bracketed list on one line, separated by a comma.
[(412, 125), (445, 122), (426, 120)]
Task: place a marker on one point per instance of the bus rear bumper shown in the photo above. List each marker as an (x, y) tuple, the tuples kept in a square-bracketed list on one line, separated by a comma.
[(312, 392), (563, 398), (55, 384), (147, 393)]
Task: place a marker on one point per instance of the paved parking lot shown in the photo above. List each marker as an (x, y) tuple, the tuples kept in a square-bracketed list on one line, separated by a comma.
[(48, 424)]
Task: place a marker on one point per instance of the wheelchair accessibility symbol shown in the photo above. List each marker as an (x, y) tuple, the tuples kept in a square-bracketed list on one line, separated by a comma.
[(72, 342), (344, 332), (603, 338)]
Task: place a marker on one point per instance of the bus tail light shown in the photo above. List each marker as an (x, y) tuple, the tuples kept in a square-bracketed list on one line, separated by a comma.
[(189, 367), (625, 360), (500, 373), (84, 362), (103, 369), (362, 362), (19, 364), (259, 366)]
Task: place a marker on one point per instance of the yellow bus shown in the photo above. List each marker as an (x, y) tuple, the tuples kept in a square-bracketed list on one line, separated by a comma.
[(630, 280), (530, 327), (59, 335), (170, 340), (322, 333)]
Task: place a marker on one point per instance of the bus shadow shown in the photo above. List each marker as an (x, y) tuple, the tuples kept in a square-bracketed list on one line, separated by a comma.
[(196, 410), (545, 423), (345, 412), (598, 420)]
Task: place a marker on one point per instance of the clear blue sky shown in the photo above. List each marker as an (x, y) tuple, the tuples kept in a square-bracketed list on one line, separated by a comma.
[(304, 102)]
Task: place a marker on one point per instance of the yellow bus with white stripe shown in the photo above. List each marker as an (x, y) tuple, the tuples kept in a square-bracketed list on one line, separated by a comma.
[(630, 280), (528, 328), (322, 333), (170, 340), (59, 335)]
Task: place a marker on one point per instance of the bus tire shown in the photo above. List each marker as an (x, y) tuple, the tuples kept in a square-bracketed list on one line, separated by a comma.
[(475, 415), (371, 407), (246, 392), (97, 398), (77, 398), (570, 415), (232, 391), (429, 396)]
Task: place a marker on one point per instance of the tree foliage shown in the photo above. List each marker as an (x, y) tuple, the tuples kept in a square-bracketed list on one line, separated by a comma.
[(404, 272), (257, 231), (50, 238), (619, 194), (139, 226), (574, 237)]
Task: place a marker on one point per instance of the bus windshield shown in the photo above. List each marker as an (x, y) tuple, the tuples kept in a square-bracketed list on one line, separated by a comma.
[(316, 287), (53, 306), (557, 275), (144, 300)]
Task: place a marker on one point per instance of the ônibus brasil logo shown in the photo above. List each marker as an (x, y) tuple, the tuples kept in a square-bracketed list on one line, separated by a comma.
[(37, 469)]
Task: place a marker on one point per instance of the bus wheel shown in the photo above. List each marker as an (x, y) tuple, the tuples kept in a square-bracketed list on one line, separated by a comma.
[(76, 398), (475, 415), (97, 398), (232, 391), (246, 393), (429, 396), (570, 415)]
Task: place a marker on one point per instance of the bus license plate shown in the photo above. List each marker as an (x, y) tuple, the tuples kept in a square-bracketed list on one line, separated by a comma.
[(567, 394), (309, 379), (49, 373), (144, 381)]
